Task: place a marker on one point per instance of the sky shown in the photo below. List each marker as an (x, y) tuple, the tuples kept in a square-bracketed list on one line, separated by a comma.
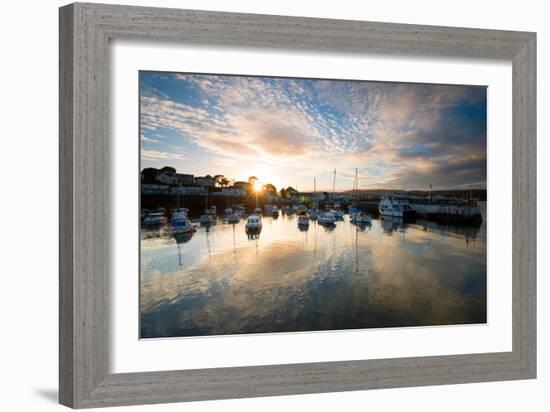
[(288, 132)]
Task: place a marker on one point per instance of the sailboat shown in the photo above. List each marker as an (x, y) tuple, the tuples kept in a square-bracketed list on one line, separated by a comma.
[(206, 218), (357, 216), (314, 211), (337, 211)]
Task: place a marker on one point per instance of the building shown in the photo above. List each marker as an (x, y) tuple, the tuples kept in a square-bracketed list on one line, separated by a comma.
[(241, 185), (291, 193), (205, 181), (233, 191), (188, 190), (153, 189), (183, 179), (176, 179)]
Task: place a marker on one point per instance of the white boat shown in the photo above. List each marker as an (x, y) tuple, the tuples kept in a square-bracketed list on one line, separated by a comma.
[(240, 211), (233, 218), (155, 219), (395, 206), (327, 218), (253, 222), (271, 210), (313, 214), (303, 219), (228, 211), (180, 224), (361, 218), (338, 214), (257, 211), (206, 219), (212, 210)]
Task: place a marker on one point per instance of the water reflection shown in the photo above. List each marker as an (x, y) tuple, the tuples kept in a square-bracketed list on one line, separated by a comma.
[(223, 280)]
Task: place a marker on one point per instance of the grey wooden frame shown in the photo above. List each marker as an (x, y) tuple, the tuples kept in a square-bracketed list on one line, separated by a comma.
[(85, 31)]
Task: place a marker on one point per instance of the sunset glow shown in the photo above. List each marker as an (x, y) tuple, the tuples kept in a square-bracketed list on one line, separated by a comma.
[(289, 131)]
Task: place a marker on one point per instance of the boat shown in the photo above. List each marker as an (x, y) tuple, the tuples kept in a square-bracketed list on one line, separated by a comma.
[(212, 210), (313, 214), (338, 213), (228, 211), (353, 209), (327, 218), (155, 218), (233, 218), (240, 211), (180, 224), (253, 222), (257, 211), (395, 206), (447, 210), (271, 210), (360, 218), (206, 219), (303, 219)]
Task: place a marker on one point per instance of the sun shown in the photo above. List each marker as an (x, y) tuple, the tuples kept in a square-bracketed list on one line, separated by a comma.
[(258, 187)]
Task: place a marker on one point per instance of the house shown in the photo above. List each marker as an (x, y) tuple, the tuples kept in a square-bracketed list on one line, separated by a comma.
[(205, 181), (188, 190), (241, 185), (291, 193), (153, 189), (176, 179), (234, 191)]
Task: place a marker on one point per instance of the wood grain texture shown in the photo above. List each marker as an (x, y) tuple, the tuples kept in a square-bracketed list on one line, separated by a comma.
[(85, 31)]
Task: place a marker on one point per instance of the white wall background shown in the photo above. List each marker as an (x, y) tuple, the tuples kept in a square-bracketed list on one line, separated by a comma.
[(28, 159)]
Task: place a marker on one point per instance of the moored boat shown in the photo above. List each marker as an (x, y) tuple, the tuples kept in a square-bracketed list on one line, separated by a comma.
[(233, 218), (313, 214), (360, 218), (395, 206), (303, 219), (206, 219), (327, 218), (155, 218), (253, 222), (180, 224)]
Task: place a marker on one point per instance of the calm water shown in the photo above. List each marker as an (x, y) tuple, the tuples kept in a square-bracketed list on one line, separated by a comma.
[(390, 274)]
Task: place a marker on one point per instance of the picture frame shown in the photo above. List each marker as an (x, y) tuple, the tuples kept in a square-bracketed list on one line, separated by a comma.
[(85, 33)]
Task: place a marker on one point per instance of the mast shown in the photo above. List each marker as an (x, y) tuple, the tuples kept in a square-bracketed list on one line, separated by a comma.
[(355, 185), (334, 183)]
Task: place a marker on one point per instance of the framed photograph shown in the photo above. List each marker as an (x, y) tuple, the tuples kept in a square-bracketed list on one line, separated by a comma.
[(256, 205)]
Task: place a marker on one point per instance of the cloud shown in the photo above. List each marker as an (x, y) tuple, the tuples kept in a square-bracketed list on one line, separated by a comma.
[(156, 155), (393, 132)]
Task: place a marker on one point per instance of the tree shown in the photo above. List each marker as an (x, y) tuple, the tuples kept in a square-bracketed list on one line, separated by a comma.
[(168, 169), (283, 193), (224, 182), (252, 180), (218, 179), (270, 188), (149, 173)]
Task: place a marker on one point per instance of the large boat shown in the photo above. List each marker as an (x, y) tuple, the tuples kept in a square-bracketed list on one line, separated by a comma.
[(327, 218), (180, 224), (395, 206), (447, 209), (253, 222)]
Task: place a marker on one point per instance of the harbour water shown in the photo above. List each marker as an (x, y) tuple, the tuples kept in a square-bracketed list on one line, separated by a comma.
[(388, 274)]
